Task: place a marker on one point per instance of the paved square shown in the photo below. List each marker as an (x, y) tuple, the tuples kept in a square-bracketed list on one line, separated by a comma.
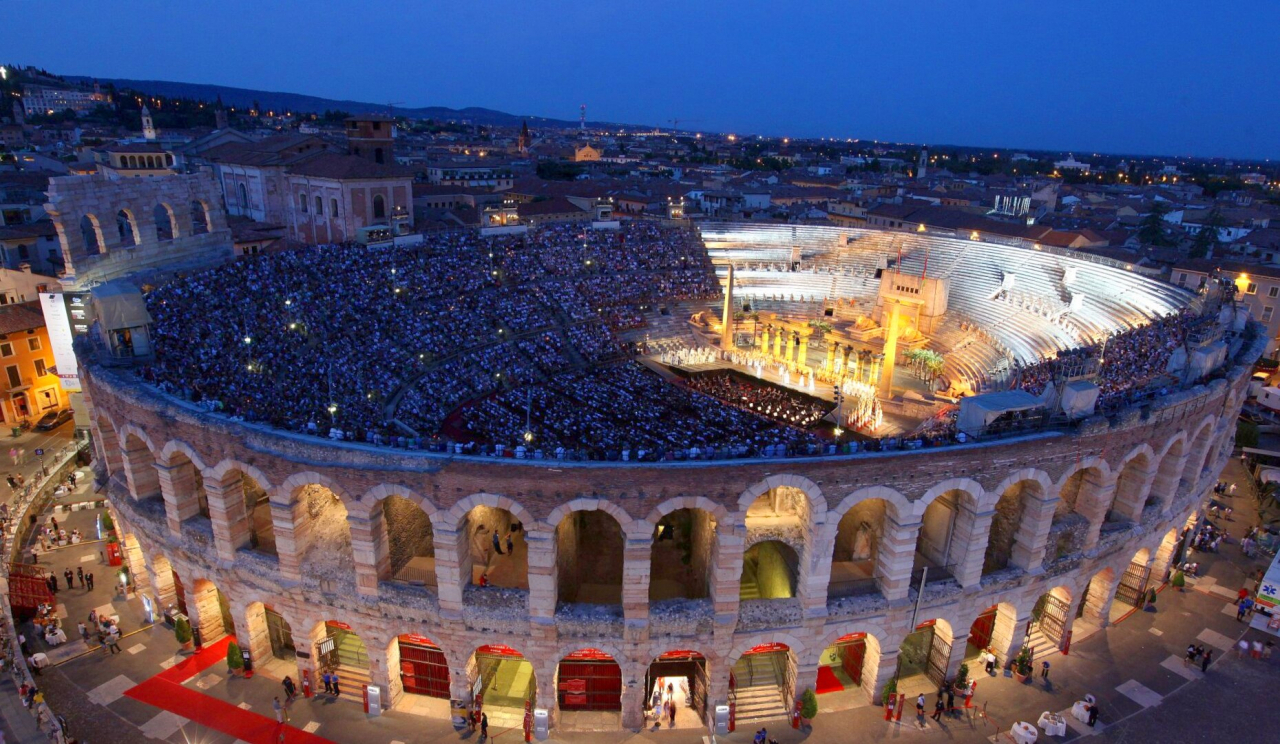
[(1222, 591), (169, 663), (163, 726), (1229, 609), (1215, 639), (136, 648), (312, 727), (1140, 693), (244, 706), (208, 680), (1155, 631), (87, 558), (110, 691), (1080, 727), (1176, 665)]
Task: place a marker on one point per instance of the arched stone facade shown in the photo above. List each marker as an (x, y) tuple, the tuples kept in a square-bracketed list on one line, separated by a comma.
[(1121, 478)]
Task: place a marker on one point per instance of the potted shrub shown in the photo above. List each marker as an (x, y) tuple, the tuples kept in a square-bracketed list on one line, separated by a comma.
[(182, 632), (1022, 665), (1179, 580), (235, 662), (961, 684), (1151, 601), (890, 690), (808, 708)]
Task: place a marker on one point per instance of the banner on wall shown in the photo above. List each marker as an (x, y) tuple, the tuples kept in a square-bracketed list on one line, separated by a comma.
[(58, 324)]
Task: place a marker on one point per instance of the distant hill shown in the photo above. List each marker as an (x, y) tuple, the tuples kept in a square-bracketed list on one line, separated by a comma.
[(244, 98)]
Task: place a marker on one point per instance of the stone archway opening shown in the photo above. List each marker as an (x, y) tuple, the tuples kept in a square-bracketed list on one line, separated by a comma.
[(1165, 486), (589, 691), (589, 558), (411, 544), (91, 233), (924, 657), (1134, 585), (257, 510), (770, 570), (1070, 525), (322, 534), (503, 682), (681, 557), (166, 223), (847, 672), (270, 642), (781, 508), (1050, 619), (423, 675), (858, 539), (1007, 530), (762, 682), (140, 471), (937, 548), (499, 554), (677, 678), (1197, 456), (1130, 494), (200, 217), (127, 227), (212, 617), (339, 649)]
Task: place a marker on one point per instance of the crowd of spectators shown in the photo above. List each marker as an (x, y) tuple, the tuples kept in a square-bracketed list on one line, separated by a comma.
[(333, 336), (770, 401)]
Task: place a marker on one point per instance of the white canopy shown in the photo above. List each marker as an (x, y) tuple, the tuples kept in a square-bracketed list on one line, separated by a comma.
[(978, 411)]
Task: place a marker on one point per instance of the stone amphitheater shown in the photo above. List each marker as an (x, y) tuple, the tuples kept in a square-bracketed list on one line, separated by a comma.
[(584, 587)]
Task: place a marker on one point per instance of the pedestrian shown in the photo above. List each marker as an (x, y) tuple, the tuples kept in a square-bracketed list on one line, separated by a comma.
[(1267, 649), (920, 709), (1204, 662), (671, 704), (1093, 715), (113, 640), (1242, 594), (289, 689), (951, 697), (1257, 649), (281, 714), (334, 679), (22, 644), (471, 718), (484, 725), (84, 631), (70, 577), (1191, 655), (80, 575), (497, 543), (13, 484), (1241, 609), (938, 708), (88, 578), (511, 547), (328, 683), (1044, 669), (1242, 648)]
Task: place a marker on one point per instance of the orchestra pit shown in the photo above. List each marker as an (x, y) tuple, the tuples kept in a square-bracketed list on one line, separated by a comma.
[(590, 468)]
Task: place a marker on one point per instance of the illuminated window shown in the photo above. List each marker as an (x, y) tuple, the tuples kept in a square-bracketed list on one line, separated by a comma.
[(33, 343), (1251, 289), (40, 368)]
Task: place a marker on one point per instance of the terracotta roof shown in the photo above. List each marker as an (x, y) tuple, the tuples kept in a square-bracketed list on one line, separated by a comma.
[(41, 229), (21, 316), (347, 167)]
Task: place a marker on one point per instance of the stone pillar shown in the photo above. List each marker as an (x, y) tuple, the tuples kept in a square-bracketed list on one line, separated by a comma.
[(291, 526), (379, 671), (228, 514), (307, 668), (886, 669), (162, 584), (1009, 633), (969, 543), (727, 323), (726, 573), (829, 365), (1164, 557), (718, 670), (252, 633), (890, 352), (178, 487), (1165, 485), (1031, 540), (959, 645), (896, 557), (632, 697), (366, 536), (543, 586), (1099, 594), (1098, 502), (636, 566), (139, 470), (453, 568), (1130, 497), (205, 613)]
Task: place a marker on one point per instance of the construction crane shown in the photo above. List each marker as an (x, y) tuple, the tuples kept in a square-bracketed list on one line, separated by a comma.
[(389, 105), (675, 123)]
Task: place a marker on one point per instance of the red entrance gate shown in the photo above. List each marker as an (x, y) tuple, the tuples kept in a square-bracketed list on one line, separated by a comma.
[(423, 667), (980, 631), (589, 680), (28, 589), (853, 651)]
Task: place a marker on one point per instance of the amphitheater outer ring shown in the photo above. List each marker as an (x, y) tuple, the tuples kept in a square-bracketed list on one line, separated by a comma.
[(1175, 448)]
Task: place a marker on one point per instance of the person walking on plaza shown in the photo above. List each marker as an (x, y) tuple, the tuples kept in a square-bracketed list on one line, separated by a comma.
[(289, 689), (1191, 655), (497, 543), (113, 640), (1242, 648), (282, 713), (328, 683), (1204, 663), (951, 697), (1093, 715), (80, 575), (70, 577), (920, 709), (88, 579), (1044, 669), (484, 725), (1243, 608), (938, 708), (334, 679), (1257, 649), (84, 631)]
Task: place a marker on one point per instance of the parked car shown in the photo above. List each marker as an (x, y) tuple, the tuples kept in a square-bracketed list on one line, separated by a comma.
[(54, 419)]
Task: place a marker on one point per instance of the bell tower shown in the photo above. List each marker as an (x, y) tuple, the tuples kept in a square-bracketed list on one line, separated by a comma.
[(148, 126)]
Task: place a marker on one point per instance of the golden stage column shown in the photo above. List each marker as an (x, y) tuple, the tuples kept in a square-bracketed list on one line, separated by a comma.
[(890, 353), (764, 341), (777, 343), (829, 367), (726, 321)]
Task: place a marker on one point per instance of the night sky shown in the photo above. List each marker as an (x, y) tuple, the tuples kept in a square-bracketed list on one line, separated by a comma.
[(1137, 76)]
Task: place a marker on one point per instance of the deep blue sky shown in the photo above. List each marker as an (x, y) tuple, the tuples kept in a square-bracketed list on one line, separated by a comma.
[(1145, 76)]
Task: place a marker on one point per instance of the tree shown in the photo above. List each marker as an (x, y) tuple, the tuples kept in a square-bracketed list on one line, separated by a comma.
[(808, 705), (182, 631), (1151, 231), (235, 662), (1206, 238)]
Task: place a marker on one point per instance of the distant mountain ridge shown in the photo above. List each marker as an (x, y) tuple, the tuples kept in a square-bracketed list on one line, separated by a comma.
[(297, 102)]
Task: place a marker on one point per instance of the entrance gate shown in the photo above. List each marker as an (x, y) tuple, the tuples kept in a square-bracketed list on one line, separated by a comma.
[(688, 664), (589, 680), (1053, 619), (423, 667), (925, 652), (939, 655), (852, 650), (982, 628), (342, 647), (1133, 585), (281, 635)]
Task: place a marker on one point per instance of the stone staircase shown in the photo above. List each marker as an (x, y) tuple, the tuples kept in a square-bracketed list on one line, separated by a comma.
[(351, 682), (758, 695)]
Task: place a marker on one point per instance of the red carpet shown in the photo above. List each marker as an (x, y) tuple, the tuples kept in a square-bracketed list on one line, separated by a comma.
[(165, 691), (828, 681)]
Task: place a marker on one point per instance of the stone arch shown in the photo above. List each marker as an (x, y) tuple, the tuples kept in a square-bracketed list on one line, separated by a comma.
[(686, 502), (1084, 491), (454, 517), (590, 547), (817, 502), (1016, 521), (200, 215), (952, 529), (237, 523), (178, 447), (181, 481), (91, 233), (310, 520), (859, 542), (1172, 460), (968, 486), (1134, 477), (1197, 454), (224, 468), (756, 639), (902, 508), (683, 549), (401, 532), (166, 222), (108, 442), (139, 463), (289, 489), (127, 227), (374, 496)]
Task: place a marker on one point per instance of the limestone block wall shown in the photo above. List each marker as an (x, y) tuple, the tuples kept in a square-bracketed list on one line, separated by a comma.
[(1192, 427)]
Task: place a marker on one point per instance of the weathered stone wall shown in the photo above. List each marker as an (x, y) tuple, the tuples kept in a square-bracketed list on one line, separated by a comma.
[(408, 531)]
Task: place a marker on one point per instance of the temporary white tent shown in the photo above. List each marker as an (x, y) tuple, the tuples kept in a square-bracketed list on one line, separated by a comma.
[(980, 410)]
